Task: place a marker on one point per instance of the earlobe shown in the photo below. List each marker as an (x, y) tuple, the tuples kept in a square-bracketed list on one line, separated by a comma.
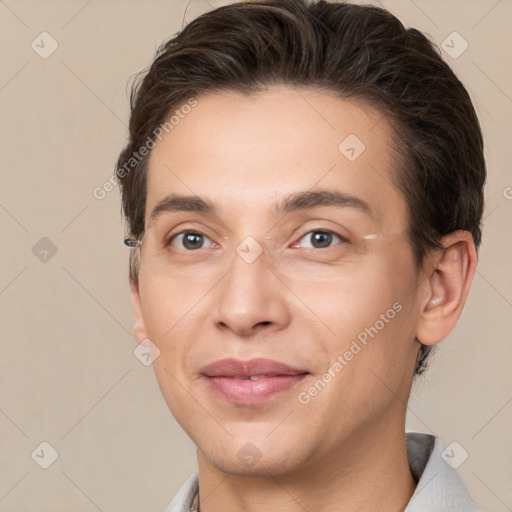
[(447, 287), (139, 326)]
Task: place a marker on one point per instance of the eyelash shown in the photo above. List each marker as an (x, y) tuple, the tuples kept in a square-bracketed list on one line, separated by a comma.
[(317, 230)]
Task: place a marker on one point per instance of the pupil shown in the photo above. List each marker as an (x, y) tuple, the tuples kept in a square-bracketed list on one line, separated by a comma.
[(192, 240), (321, 239)]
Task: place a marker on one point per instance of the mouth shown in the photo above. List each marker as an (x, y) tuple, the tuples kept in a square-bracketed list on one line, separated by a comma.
[(250, 382)]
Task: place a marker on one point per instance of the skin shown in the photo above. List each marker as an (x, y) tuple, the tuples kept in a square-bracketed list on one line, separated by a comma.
[(345, 449)]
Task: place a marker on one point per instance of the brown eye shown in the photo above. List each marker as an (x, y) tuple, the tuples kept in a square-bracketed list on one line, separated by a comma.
[(190, 240), (319, 239)]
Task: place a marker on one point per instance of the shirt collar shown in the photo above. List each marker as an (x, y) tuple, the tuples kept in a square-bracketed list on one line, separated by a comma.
[(439, 487)]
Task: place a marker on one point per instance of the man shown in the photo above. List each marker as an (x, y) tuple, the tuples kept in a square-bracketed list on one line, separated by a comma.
[(303, 189)]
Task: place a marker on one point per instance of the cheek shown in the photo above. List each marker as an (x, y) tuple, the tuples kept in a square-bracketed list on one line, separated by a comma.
[(168, 304), (168, 311), (370, 316), (353, 302)]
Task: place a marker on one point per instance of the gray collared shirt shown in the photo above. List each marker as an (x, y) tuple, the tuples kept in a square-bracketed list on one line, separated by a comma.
[(439, 486)]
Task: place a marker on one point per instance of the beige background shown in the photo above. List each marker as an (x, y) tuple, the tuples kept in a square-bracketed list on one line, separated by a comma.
[(68, 375)]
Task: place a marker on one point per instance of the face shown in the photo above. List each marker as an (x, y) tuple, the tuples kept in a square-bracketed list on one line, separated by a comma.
[(285, 261)]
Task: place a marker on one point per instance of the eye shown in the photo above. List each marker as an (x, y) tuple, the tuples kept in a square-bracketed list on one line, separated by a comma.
[(190, 240), (319, 239)]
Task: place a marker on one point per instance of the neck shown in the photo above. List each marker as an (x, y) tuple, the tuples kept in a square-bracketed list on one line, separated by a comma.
[(368, 472)]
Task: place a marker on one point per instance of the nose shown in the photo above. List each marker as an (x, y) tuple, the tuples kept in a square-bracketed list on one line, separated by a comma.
[(251, 299)]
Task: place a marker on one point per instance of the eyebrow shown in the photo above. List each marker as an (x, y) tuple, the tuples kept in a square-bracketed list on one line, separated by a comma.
[(294, 202), (317, 198)]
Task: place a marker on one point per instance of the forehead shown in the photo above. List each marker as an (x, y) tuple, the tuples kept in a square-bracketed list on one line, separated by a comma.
[(250, 151)]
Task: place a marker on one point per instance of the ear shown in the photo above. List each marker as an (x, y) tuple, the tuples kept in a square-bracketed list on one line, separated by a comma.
[(447, 286), (139, 327)]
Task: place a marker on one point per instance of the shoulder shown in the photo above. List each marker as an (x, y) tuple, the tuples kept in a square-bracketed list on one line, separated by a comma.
[(439, 487), (183, 500)]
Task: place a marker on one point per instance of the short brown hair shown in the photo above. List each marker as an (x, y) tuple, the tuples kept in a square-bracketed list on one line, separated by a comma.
[(360, 52)]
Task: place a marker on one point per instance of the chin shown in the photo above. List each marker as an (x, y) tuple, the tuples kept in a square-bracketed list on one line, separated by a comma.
[(255, 459), (263, 468)]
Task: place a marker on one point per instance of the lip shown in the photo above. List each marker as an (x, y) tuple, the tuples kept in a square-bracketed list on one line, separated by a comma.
[(230, 379)]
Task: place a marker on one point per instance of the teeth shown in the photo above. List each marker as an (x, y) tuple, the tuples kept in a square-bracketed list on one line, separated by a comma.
[(252, 377)]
